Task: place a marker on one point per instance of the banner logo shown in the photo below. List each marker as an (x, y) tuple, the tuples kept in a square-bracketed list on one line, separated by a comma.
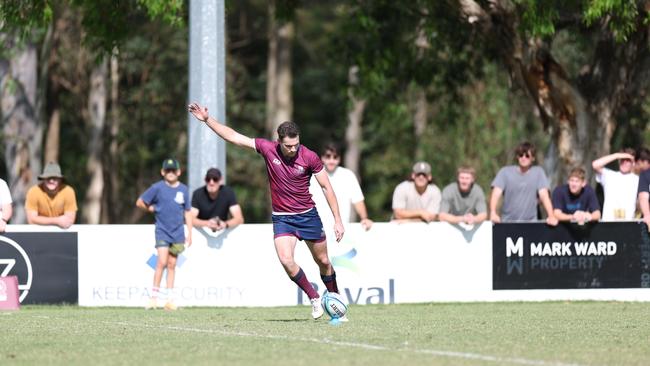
[(8, 264), (345, 260)]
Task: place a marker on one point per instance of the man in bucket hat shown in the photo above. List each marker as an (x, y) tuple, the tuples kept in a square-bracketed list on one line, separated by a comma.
[(52, 201)]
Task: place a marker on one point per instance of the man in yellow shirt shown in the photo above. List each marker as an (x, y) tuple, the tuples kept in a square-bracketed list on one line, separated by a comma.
[(51, 202)]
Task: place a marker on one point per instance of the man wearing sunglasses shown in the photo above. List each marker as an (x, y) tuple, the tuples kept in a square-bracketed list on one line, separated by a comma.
[(214, 205), (417, 199), (522, 187), (52, 201), (289, 167), (619, 187), (347, 188)]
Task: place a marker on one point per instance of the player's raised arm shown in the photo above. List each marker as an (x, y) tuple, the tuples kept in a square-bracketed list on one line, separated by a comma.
[(225, 132)]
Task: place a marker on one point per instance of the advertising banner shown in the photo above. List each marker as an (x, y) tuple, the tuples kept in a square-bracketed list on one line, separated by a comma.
[(391, 263), (571, 256), (45, 264)]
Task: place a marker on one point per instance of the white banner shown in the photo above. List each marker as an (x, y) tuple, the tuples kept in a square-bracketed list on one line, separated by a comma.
[(388, 264), (391, 263)]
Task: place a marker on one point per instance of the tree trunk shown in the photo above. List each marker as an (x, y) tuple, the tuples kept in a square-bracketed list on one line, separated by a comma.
[(97, 119), (420, 114), (111, 207), (353, 131), (279, 98), (53, 133), (419, 96), (21, 124), (579, 111)]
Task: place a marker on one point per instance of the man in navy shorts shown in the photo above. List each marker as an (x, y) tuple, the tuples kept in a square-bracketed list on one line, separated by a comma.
[(289, 167)]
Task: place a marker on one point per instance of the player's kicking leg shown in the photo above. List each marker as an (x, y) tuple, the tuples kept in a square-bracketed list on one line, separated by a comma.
[(321, 257), (285, 247)]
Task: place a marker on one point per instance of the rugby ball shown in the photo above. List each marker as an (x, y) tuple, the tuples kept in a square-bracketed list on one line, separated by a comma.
[(333, 305)]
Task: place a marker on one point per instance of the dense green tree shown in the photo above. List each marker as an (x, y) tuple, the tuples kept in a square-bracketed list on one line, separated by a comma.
[(449, 82), (582, 64), (57, 48)]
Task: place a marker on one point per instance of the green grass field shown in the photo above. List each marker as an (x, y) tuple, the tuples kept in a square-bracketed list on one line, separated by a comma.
[(549, 333)]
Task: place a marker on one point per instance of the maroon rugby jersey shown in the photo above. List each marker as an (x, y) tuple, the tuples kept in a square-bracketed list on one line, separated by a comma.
[(289, 178)]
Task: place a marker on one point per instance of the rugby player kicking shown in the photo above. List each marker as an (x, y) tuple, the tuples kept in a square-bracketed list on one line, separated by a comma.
[(289, 167)]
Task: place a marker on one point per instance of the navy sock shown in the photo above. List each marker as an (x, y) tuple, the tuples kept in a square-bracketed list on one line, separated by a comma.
[(330, 282)]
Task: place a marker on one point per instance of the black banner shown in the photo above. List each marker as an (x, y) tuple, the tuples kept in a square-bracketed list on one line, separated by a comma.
[(570, 256), (45, 263)]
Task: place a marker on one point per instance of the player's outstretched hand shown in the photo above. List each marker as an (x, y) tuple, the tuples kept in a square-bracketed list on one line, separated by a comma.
[(338, 231), (198, 111)]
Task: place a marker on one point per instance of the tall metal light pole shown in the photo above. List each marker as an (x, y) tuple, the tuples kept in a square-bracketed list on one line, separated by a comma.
[(207, 86)]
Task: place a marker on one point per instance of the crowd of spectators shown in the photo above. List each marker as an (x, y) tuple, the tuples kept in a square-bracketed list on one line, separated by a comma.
[(520, 192)]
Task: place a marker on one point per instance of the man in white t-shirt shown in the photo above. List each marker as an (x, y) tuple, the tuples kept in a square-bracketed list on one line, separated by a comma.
[(620, 187), (345, 185), (5, 205)]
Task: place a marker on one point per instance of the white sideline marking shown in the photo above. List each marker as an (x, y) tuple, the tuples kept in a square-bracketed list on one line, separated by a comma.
[(452, 354)]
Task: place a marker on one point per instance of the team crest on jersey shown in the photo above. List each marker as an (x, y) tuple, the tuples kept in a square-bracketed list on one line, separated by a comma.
[(300, 169), (276, 161), (180, 199)]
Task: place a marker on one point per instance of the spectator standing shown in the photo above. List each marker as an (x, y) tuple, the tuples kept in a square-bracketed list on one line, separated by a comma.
[(417, 199), (576, 201), (52, 201), (289, 166), (521, 186), (215, 205), (347, 188), (619, 187), (6, 207), (463, 201), (169, 200)]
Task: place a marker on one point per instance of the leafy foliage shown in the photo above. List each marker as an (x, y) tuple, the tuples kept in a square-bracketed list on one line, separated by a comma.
[(106, 23), (24, 16), (474, 115)]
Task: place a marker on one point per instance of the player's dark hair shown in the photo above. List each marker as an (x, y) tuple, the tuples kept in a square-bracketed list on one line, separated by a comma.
[(288, 129)]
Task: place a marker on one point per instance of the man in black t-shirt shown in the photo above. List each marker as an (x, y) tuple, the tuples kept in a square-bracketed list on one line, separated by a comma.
[(215, 205)]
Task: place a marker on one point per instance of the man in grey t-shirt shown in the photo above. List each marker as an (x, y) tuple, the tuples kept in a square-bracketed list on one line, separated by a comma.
[(521, 185), (463, 201)]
